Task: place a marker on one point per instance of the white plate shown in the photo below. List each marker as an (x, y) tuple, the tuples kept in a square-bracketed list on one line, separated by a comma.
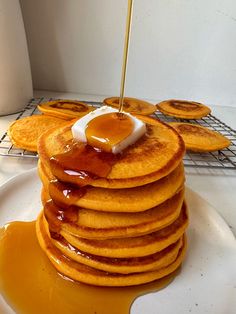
[(207, 283)]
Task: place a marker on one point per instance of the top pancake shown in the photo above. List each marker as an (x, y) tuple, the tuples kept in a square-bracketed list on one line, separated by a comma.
[(183, 109), (65, 109), (132, 105), (152, 157), (200, 139)]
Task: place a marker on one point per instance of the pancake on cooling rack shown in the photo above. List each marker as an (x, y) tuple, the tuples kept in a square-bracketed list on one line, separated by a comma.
[(200, 139), (183, 109), (132, 105), (123, 228), (24, 133), (65, 109)]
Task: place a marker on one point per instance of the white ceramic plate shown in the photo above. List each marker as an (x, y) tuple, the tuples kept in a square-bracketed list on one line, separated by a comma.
[(207, 283)]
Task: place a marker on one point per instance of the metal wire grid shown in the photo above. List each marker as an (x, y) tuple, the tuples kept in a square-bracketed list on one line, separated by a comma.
[(225, 158)]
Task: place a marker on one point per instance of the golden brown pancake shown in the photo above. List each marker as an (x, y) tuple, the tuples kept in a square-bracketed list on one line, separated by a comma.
[(92, 224), (117, 200), (183, 109), (80, 272), (152, 157), (200, 139), (121, 265), (135, 246), (132, 105), (24, 133), (65, 109)]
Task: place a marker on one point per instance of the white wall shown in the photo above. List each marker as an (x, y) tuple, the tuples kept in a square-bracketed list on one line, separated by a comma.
[(179, 48)]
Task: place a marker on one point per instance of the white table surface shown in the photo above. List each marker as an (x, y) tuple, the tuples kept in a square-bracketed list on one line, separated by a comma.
[(216, 186)]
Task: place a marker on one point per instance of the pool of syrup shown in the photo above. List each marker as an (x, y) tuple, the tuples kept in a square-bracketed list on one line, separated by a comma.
[(31, 285)]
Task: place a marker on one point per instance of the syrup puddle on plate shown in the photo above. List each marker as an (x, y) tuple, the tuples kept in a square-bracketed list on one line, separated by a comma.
[(30, 284)]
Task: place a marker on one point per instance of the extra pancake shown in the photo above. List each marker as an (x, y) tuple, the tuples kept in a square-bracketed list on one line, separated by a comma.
[(94, 224), (152, 157), (200, 139), (89, 275), (24, 133), (183, 109), (131, 105), (65, 109), (117, 200), (135, 246)]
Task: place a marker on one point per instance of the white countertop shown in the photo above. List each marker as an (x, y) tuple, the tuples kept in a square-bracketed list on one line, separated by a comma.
[(216, 186)]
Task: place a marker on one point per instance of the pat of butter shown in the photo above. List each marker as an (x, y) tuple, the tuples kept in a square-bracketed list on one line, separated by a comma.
[(79, 128)]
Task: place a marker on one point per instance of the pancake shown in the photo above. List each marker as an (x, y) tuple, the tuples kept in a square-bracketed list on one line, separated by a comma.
[(24, 133), (183, 109), (88, 223), (116, 200), (65, 109), (152, 157), (200, 139), (119, 265), (89, 275), (132, 105), (134, 246)]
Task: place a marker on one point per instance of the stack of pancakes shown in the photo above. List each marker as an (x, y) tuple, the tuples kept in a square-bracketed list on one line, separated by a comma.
[(120, 229)]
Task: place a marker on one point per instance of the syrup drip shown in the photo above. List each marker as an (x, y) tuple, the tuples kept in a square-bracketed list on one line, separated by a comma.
[(108, 130), (56, 216), (65, 195), (80, 164), (30, 284)]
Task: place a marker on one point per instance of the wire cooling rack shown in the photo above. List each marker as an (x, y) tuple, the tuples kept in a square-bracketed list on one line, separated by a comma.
[(225, 158)]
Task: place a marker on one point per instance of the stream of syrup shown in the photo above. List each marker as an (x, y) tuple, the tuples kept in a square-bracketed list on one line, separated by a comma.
[(125, 54), (31, 285)]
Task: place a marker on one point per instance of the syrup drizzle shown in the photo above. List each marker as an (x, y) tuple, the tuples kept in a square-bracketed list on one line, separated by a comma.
[(125, 54)]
